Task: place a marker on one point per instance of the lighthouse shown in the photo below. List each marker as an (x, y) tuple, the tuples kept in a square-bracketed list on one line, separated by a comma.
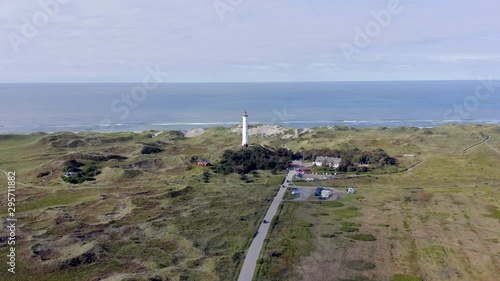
[(244, 132)]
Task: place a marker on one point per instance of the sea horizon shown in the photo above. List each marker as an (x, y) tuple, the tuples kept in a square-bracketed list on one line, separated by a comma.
[(247, 82), (111, 107)]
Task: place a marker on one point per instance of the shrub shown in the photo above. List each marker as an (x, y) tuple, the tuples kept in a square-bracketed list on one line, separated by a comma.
[(332, 204), (404, 277), (349, 229), (362, 237), (87, 174), (150, 150), (305, 224), (43, 174), (349, 212), (206, 176)]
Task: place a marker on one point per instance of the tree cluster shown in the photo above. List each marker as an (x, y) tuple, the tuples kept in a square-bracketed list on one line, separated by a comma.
[(79, 175), (352, 158), (247, 160)]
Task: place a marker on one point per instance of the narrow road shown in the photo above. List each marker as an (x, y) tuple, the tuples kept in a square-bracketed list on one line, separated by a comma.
[(250, 263)]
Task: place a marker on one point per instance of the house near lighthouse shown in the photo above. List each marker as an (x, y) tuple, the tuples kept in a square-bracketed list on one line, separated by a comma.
[(244, 132)]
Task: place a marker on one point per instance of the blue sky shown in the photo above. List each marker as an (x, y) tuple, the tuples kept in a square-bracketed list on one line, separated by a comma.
[(252, 40)]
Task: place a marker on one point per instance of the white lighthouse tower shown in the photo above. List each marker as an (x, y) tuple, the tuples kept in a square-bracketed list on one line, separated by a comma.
[(244, 132)]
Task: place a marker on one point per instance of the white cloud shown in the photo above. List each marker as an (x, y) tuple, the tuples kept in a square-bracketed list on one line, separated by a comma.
[(262, 67), (282, 39), (322, 65), (465, 58)]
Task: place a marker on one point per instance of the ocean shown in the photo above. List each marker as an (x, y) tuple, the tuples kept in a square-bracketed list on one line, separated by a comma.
[(26, 108)]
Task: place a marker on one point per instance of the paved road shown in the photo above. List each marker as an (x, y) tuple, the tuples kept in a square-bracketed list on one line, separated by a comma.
[(253, 252)]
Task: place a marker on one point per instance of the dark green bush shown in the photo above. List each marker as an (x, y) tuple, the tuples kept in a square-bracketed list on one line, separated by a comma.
[(362, 237), (247, 160)]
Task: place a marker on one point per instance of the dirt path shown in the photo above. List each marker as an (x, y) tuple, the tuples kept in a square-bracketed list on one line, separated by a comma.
[(414, 166), (477, 144), (250, 263), (485, 141), (23, 184)]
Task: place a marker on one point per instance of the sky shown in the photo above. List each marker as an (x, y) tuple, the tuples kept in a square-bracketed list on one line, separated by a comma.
[(248, 40)]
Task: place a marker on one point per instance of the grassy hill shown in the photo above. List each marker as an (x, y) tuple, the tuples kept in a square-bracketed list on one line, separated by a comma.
[(439, 221), (152, 214)]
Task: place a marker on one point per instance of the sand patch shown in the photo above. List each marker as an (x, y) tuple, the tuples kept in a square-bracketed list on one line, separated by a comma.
[(270, 130), (194, 133)]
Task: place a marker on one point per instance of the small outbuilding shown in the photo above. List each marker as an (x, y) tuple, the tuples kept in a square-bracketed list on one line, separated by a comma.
[(204, 164)]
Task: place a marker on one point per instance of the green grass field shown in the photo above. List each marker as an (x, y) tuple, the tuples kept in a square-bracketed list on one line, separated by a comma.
[(436, 222), (147, 216), (159, 216)]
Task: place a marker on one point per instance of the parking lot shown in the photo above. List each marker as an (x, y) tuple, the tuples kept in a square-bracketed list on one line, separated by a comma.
[(304, 173), (306, 193)]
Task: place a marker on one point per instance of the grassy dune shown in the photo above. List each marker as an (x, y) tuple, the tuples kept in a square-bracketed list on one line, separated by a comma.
[(145, 216), (436, 222), (155, 216)]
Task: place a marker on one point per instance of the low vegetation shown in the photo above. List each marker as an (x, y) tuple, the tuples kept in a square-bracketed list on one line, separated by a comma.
[(160, 216), (291, 240), (404, 277), (349, 227), (431, 214), (94, 206), (494, 212), (362, 237), (348, 212), (360, 265)]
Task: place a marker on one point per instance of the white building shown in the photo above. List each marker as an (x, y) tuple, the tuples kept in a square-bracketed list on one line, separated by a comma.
[(328, 161), (244, 132)]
